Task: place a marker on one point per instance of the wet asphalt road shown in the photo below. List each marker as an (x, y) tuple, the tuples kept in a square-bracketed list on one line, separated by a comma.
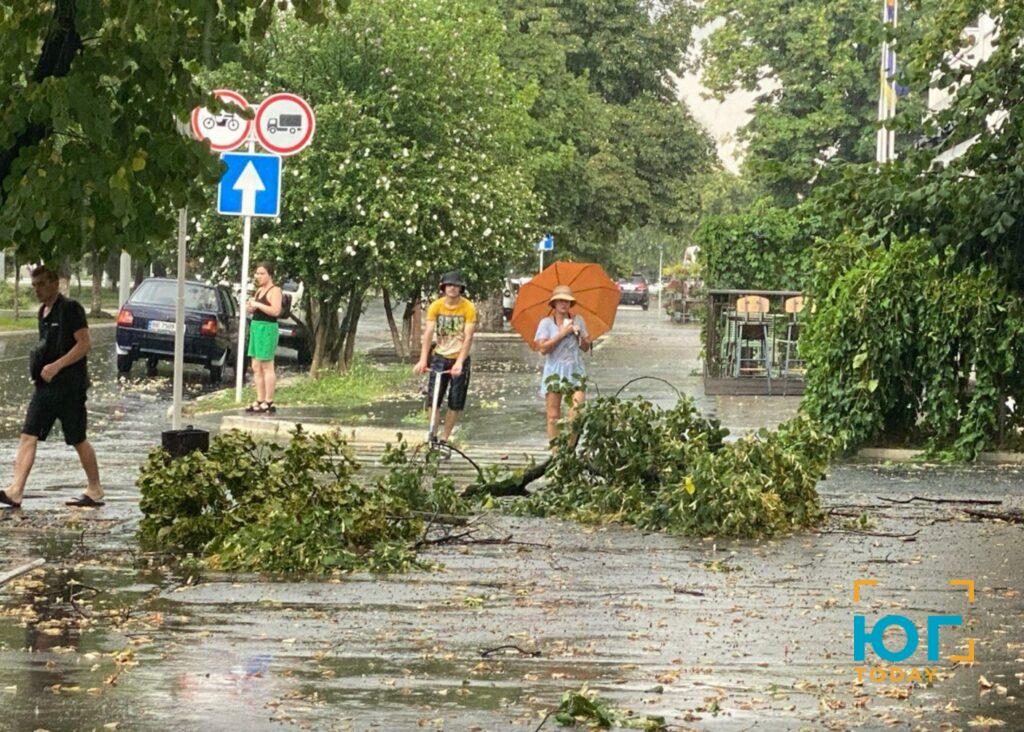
[(714, 635)]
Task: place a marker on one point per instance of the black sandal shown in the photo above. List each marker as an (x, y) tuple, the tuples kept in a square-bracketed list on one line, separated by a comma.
[(84, 501), (254, 407), (7, 502), (269, 408)]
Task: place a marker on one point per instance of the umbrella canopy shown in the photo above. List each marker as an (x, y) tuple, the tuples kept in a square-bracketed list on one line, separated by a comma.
[(597, 298)]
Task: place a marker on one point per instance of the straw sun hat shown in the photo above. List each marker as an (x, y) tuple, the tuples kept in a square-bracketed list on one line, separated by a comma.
[(561, 292)]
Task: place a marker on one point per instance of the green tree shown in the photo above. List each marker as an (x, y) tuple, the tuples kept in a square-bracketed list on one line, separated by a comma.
[(91, 152), (814, 69), (417, 167), (613, 148), (969, 207), (765, 247)]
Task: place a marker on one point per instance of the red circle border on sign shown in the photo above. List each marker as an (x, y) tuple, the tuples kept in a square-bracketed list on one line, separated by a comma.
[(241, 102), (305, 139)]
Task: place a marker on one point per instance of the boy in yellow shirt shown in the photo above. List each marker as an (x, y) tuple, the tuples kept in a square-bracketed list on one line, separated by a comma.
[(452, 318)]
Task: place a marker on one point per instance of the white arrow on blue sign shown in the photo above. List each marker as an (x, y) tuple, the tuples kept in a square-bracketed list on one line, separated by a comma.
[(546, 244), (251, 186)]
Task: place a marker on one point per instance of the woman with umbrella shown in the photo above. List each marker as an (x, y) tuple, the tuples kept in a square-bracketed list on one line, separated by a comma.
[(561, 337)]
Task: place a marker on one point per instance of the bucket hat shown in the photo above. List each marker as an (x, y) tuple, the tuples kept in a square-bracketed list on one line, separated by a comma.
[(452, 278)]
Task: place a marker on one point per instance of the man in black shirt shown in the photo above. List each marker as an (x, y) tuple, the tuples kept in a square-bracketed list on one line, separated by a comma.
[(58, 368)]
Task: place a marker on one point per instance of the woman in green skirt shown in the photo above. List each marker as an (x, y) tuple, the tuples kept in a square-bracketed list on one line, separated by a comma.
[(264, 307)]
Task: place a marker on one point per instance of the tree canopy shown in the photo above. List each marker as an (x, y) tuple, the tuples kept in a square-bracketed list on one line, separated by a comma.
[(418, 165), (93, 95)]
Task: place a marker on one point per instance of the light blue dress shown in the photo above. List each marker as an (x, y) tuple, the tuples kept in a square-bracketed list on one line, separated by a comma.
[(566, 358)]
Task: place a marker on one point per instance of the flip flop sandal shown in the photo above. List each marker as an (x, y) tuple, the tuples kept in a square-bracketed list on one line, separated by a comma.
[(84, 501), (7, 502)]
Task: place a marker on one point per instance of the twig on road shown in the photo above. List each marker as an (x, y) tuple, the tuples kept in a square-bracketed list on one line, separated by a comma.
[(903, 537), (487, 652), (974, 501), (1013, 517)]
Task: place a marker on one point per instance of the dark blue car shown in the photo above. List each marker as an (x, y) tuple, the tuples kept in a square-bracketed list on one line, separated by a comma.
[(145, 326)]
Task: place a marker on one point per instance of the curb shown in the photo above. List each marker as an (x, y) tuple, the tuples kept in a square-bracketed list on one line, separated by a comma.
[(902, 455), (354, 435)]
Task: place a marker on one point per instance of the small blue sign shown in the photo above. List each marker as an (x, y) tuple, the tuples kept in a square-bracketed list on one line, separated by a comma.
[(251, 186), (546, 244)]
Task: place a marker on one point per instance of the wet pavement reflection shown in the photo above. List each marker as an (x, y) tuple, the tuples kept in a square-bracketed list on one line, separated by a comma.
[(723, 635)]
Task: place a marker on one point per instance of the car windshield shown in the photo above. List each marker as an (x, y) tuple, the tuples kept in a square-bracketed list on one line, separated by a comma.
[(637, 279), (158, 292)]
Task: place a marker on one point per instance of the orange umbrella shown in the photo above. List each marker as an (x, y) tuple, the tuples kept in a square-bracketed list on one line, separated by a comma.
[(597, 298)]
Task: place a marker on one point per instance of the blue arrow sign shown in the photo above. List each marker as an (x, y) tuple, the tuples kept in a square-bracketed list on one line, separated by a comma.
[(546, 244), (251, 186)]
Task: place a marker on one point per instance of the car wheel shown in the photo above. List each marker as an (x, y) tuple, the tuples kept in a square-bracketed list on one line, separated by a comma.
[(151, 366), (124, 364), (645, 305), (302, 353), (216, 374)]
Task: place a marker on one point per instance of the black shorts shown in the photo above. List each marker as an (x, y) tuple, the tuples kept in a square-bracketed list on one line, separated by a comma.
[(49, 405), (459, 384)]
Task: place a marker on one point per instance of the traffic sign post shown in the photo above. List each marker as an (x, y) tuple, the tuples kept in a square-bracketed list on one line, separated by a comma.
[(546, 244), (251, 184), (223, 130), (284, 123)]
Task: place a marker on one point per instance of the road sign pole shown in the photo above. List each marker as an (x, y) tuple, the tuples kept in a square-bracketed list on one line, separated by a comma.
[(179, 322), (541, 261), (242, 297)]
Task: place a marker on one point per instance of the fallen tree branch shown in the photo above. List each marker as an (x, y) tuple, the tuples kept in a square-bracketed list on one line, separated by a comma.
[(1012, 517), (511, 485), (904, 537), (974, 501), (489, 651)]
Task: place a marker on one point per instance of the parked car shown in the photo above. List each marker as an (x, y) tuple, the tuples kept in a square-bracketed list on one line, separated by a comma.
[(294, 330), (145, 326), (635, 291)]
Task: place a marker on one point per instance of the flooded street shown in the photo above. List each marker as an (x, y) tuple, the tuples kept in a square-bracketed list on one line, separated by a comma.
[(712, 635)]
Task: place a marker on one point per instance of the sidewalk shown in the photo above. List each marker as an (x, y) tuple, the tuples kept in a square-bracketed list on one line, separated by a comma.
[(505, 408)]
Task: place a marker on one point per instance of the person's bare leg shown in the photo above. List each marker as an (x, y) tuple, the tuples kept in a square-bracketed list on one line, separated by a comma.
[(577, 400), (269, 379), (23, 461), (92, 470), (257, 379), (553, 405), (450, 418)]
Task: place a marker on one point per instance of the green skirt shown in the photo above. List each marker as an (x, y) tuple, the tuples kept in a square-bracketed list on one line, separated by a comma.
[(263, 340)]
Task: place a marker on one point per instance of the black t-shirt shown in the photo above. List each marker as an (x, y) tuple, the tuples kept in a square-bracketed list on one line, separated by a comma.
[(57, 337)]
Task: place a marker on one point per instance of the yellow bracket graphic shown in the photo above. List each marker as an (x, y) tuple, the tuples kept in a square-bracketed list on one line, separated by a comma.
[(858, 583), (969, 584), (969, 658)]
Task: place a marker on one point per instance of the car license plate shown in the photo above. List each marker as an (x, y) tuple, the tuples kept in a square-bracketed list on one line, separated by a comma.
[(161, 326)]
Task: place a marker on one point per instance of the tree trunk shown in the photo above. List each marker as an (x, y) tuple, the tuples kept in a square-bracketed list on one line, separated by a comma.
[(348, 328), (400, 348), (489, 317), (97, 284), (323, 323), (138, 272), (412, 347)]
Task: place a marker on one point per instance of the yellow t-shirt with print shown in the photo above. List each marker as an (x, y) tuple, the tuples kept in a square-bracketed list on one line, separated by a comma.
[(450, 325)]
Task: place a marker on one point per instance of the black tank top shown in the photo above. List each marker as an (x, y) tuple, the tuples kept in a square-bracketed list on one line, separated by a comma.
[(259, 314)]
